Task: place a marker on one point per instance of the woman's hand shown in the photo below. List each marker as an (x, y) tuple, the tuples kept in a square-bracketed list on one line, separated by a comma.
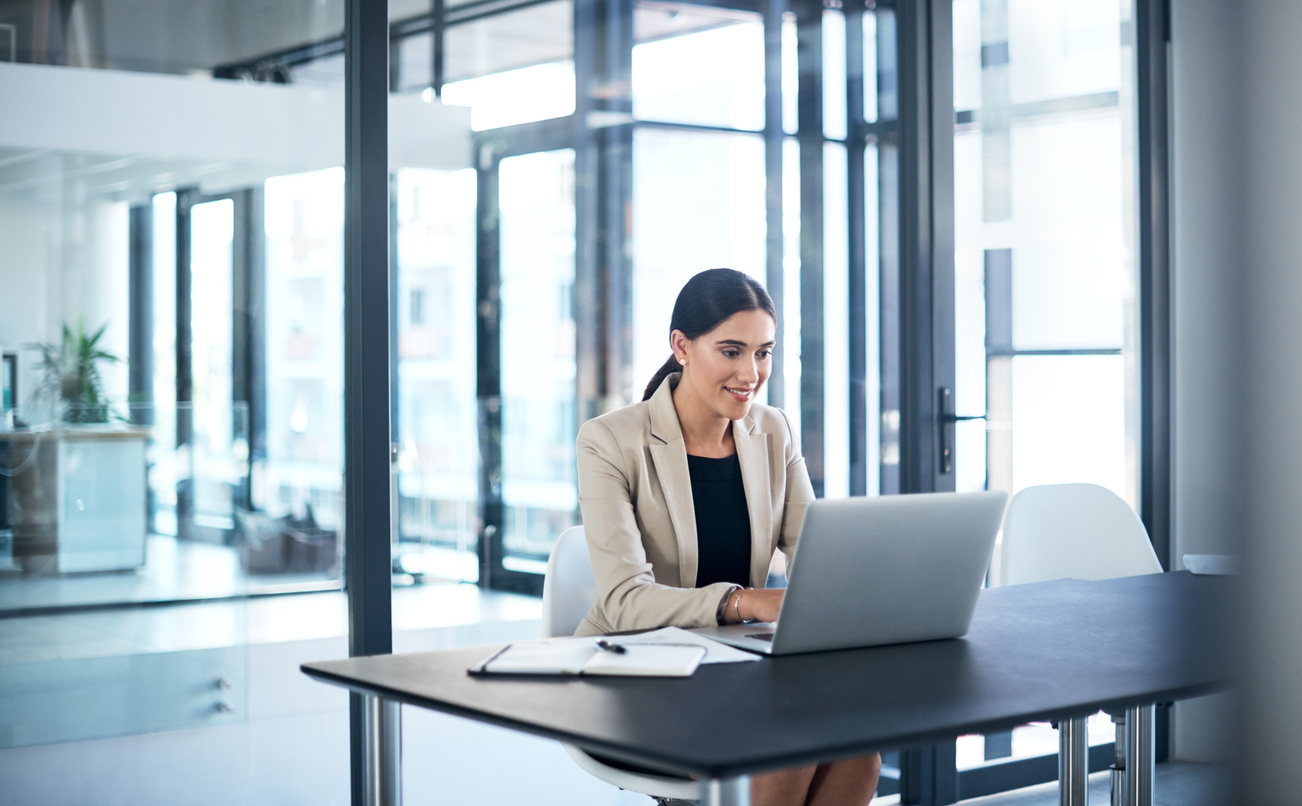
[(754, 605)]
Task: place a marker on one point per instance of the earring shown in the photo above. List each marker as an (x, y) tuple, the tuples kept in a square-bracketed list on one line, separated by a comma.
[(683, 361)]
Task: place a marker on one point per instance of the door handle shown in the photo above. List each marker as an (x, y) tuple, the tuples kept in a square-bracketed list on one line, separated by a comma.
[(946, 422)]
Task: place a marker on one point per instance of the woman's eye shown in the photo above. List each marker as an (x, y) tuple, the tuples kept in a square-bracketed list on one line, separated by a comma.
[(731, 353), (764, 354)]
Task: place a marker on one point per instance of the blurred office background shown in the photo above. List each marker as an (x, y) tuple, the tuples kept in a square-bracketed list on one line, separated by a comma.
[(171, 320)]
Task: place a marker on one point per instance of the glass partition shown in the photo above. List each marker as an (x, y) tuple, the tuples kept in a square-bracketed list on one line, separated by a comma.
[(170, 458), (538, 354), (1046, 279)]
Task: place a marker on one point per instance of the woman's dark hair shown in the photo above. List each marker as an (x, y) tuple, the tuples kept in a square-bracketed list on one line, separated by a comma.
[(706, 302)]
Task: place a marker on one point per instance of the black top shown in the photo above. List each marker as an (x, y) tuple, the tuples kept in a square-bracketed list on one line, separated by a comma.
[(1041, 651), (722, 521)]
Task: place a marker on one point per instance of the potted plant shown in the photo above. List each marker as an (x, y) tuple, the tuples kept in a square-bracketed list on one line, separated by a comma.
[(70, 374)]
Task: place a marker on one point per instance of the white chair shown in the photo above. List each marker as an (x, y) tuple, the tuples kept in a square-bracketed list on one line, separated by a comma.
[(568, 589), (1082, 531)]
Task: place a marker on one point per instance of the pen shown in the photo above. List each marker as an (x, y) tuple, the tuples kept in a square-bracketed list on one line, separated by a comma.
[(618, 649)]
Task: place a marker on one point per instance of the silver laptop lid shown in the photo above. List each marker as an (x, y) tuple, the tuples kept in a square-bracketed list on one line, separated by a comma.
[(887, 570)]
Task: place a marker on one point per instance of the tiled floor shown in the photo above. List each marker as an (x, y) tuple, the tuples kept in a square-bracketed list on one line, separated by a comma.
[(174, 570), (246, 621)]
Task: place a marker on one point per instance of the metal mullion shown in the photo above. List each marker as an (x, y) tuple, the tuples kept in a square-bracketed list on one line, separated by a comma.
[(185, 199), (926, 297), (857, 279), (242, 344), (697, 127), (255, 303), (526, 138), (809, 116), (488, 368), (615, 190), (367, 435), (927, 238), (773, 212), (438, 13), (1153, 153), (589, 337), (141, 310)]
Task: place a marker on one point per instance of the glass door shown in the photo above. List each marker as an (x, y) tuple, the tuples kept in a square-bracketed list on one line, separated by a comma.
[(211, 417), (1045, 274), (538, 362), (527, 361)]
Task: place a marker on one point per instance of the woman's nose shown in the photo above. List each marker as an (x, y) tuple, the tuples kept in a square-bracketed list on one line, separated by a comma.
[(751, 372)]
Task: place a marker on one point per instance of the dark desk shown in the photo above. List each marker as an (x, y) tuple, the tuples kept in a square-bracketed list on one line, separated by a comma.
[(1055, 650)]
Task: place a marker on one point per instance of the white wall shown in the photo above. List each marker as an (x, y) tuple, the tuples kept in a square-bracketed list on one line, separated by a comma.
[(1207, 316), (1238, 369), (1272, 274)]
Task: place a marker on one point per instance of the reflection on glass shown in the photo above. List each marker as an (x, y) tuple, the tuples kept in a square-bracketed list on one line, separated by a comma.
[(510, 68), (1035, 739), (789, 352), (969, 316), (438, 442), (967, 54), (1071, 268), (536, 194), (835, 120), (304, 275), (1044, 246), (790, 74), (698, 65), (1061, 51), (698, 203), (870, 77), (212, 282), (872, 319), (163, 472), (1044, 275), (516, 96), (836, 321), (1069, 406)]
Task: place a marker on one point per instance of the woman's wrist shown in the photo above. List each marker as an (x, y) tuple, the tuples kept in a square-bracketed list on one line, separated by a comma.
[(725, 603)]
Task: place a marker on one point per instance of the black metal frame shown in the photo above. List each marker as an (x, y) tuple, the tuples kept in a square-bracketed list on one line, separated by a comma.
[(140, 285), (248, 333), (367, 435)]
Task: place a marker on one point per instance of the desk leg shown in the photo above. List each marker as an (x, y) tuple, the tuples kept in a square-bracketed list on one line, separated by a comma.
[(1139, 756), (1073, 762), (382, 747), (726, 792)]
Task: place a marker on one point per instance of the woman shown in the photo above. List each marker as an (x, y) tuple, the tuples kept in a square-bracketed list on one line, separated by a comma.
[(687, 495)]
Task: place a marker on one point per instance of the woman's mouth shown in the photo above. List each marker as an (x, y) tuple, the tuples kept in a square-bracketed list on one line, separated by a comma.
[(742, 395)]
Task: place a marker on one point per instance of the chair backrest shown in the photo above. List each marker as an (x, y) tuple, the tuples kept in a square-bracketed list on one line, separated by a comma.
[(569, 585), (1082, 531)]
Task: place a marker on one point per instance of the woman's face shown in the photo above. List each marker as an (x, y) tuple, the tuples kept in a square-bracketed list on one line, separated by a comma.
[(726, 367)]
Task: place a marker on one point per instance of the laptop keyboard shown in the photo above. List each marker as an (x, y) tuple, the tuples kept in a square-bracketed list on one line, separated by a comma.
[(762, 636)]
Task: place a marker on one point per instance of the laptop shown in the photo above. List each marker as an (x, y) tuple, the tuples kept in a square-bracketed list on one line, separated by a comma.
[(886, 570)]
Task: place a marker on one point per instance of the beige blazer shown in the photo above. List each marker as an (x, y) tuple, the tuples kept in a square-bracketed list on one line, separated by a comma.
[(636, 497)]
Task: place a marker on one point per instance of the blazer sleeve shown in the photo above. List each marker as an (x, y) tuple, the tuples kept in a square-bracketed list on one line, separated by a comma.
[(799, 492), (628, 596)]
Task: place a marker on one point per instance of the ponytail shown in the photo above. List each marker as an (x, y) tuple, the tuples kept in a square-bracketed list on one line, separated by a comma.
[(666, 369), (707, 301)]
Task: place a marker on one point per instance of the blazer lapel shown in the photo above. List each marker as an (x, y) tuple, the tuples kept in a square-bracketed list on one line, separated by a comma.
[(670, 460), (753, 456)]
